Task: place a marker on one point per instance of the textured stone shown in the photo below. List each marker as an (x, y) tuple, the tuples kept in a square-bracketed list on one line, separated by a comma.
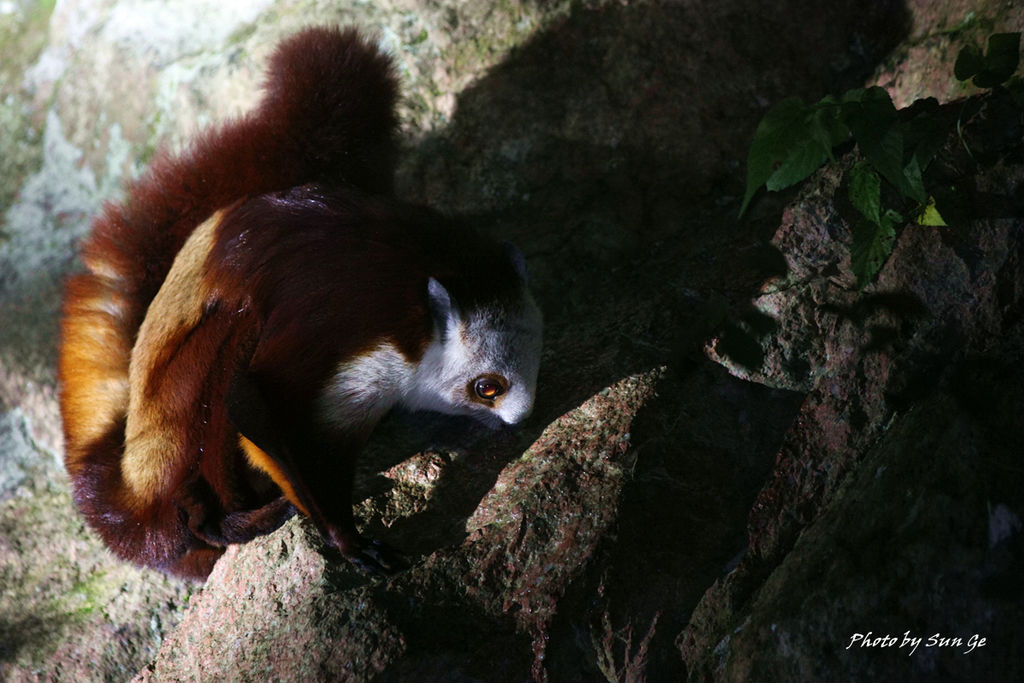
[(885, 484), (607, 140)]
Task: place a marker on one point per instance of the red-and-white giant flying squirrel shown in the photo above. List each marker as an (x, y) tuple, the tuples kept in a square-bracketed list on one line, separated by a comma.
[(254, 307)]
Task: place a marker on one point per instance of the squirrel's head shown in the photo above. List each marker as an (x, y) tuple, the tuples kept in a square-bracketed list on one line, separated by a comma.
[(484, 358)]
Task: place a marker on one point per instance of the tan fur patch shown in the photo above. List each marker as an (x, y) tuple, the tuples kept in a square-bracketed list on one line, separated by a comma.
[(153, 439), (261, 461), (94, 375)]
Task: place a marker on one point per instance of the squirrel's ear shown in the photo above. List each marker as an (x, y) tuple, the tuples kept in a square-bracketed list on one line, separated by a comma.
[(440, 303), (516, 257)]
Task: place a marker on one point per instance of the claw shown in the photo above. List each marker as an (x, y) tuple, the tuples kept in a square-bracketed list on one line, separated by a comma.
[(369, 556), (375, 558)]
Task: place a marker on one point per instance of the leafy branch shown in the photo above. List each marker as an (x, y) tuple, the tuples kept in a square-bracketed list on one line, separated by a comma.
[(993, 67), (793, 140)]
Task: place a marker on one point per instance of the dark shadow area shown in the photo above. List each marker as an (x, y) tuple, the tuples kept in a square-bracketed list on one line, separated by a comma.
[(611, 149), (28, 632), (446, 643), (702, 454)]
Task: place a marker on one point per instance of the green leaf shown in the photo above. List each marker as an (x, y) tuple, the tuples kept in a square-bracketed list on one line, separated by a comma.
[(803, 159), (1001, 60), (929, 215), (872, 119), (912, 182), (968, 63), (866, 191), (1003, 50), (872, 244), (820, 129), (777, 134), (826, 124), (995, 66), (884, 149), (854, 95), (926, 132)]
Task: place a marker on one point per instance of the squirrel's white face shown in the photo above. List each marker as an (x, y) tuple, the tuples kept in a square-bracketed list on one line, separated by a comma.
[(482, 363)]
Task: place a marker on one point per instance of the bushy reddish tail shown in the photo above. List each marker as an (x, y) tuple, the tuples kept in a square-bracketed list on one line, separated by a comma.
[(327, 116)]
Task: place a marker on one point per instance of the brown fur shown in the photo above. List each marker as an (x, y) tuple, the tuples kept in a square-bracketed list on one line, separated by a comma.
[(327, 115), (218, 300), (152, 443)]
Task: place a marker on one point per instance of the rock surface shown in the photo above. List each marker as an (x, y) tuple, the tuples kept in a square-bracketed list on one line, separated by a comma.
[(895, 500), (878, 444)]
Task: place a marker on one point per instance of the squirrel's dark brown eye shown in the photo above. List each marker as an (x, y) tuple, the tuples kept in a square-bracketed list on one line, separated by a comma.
[(488, 388)]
